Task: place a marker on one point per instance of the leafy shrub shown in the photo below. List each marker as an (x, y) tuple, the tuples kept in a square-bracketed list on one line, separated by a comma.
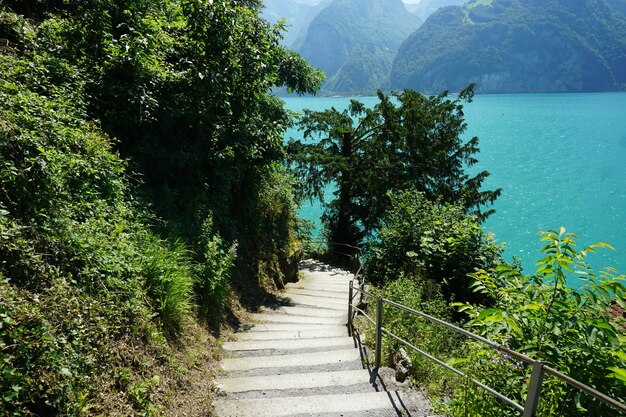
[(169, 280), (213, 272), (430, 337), (86, 286), (80, 270), (543, 317), (277, 227), (435, 242)]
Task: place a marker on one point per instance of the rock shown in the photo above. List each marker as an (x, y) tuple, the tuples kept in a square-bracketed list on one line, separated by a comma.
[(401, 373), (402, 364)]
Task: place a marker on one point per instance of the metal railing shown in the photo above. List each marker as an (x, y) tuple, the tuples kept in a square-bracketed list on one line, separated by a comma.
[(539, 368)]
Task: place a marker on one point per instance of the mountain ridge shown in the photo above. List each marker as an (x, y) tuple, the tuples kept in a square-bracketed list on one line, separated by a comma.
[(354, 42), (514, 46)]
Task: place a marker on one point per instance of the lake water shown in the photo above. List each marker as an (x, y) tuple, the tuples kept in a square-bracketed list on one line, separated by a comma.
[(559, 158)]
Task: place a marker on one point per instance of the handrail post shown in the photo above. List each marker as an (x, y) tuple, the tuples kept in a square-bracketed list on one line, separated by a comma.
[(350, 296), (534, 390), (379, 330)]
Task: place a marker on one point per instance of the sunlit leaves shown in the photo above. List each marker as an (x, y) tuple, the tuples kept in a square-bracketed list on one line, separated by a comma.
[(543, 316)]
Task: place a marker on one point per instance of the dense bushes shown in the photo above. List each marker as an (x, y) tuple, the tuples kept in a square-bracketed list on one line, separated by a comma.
[(431, 338), (430, 242), (427, 253), (540, 315), (101, 273), (543, 317)]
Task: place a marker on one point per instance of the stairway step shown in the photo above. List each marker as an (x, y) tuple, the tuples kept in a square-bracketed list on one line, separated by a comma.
[(317, 293), (331, 342), (292, 318), (274, 327), (307, 311), (293, 334), (291, 360), (336, 403), (335, 289), (294, 381), (340, 305)]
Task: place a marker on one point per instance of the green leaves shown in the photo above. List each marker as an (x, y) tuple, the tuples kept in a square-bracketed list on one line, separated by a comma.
[(569, 328), (436, 242)]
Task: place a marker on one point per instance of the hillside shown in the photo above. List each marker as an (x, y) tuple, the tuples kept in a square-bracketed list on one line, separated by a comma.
[(354, 42), (298, 16), (517, 46), (425, 8), (142, 198)]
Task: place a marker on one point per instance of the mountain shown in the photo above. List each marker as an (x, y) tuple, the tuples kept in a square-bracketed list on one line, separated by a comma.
[(298, 15), (425, 8), (354, 42), (517, 46)]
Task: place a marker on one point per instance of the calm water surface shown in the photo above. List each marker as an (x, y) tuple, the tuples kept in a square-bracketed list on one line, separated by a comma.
[(559, 158)]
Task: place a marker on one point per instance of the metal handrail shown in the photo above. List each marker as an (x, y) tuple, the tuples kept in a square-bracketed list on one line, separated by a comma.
[(539, 368)]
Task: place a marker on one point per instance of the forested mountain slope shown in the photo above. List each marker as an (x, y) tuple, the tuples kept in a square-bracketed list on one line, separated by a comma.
[(517, 46), (297, 15), (425, 8), (354, 42)]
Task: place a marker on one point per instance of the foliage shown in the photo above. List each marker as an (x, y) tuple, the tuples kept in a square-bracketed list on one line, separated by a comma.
[(542, 317), (517, 46), (430, 337), (278, 228), (99, 270), (431, 242), (415, 144), (213, 283), (184, 87)]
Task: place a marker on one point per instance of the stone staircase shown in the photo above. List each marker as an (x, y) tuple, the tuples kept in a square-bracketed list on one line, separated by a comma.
[(298, 360)]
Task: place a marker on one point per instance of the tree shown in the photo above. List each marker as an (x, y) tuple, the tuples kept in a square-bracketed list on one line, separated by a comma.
[(184, 87), (406, 142)]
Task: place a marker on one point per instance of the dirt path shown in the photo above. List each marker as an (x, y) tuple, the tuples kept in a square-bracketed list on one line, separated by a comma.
[(298, 360)]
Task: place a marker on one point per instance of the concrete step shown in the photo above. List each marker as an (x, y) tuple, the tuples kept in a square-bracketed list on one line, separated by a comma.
[(298, 359), (290, 335), (340, 289), (280, 327), (307, 311), (294, 381), (317, 293), (323, 280), (325, 367), (336, 404), (303, 300), (292, 318), (330, 342)]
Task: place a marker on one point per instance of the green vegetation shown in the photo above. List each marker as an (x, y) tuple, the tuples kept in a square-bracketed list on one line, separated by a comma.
[(354, 42), (572, 330), (431, 244), (517, 46), (427, 7), (414, 145), (141, 181), (541, 316)]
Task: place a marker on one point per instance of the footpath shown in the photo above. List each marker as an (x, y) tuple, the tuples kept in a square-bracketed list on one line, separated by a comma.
[(298, 360)]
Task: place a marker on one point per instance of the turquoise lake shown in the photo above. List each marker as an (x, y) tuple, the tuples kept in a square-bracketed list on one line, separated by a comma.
[(560, 160)]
